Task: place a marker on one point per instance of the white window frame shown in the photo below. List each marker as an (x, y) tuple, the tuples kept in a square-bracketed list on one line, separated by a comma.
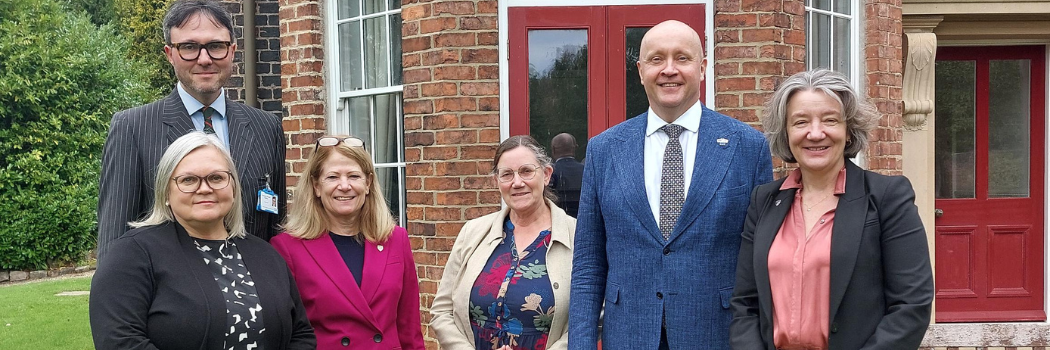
[(855, 45), (338, 111)]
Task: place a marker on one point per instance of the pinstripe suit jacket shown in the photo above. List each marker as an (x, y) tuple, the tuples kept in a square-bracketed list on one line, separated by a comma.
[(137, 139)]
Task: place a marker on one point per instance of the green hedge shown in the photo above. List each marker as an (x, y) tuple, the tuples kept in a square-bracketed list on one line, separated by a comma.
[(61, 78)]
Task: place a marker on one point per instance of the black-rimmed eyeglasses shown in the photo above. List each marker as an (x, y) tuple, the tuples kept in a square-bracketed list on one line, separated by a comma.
[(191, 183), (328, 141), (190, 51)]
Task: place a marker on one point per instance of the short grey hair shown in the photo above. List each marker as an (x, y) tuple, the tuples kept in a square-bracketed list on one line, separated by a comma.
[(176, 152), (533, 146), (182, 10), (860, 116)]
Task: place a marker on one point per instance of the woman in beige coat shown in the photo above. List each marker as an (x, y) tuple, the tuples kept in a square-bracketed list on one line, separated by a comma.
[(506, 283)]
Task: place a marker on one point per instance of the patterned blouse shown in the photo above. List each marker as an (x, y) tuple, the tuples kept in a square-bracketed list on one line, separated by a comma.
[(512, 302), (243, 311)]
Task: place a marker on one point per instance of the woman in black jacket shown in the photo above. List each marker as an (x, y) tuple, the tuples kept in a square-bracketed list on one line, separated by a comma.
[(188, 277)]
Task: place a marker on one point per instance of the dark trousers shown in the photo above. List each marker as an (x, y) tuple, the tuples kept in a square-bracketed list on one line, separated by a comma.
[(663, 339)]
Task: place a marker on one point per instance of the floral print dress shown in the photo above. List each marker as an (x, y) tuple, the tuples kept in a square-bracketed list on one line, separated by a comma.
[(512, 302)]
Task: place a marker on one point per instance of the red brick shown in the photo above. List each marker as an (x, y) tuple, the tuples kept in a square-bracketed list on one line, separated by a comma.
[(416, 197), (440, 121), (412, 155), (490, 72), (410, 92), (762, 68), (413, 122), (480, 56), (488, 104), (479, 211), (414, 213), (419, 139), (487, 7), (454, 73), (415, 44), (490, 38), (456, 137), (313, 38), (485, 152), (760, 5), (290, 125), (479, 89), (735, 20), (438, 89), (411, 60), (727, 36), (488, 136), (489, 197), (412, 13), (479, 23), (456, 168), (448, 229), (455, 104), (440, 243), (727, 68), (481, 182), (441, 214), (440, 153), (455, 40), (780, 52), (413, 183), (735, 84), (433, 25), (479, 120), (441, 183), (456, 198), (443, 56), (760, 35), (419, 107), (756, 99), (727, 101), (731, 52), (409, 29), (419, 169), (420, 75)]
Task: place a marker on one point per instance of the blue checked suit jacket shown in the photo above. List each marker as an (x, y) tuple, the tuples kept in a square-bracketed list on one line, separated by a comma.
[(621, 261)]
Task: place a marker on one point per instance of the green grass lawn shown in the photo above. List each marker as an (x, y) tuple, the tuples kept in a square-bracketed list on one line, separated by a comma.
[(32, 317)]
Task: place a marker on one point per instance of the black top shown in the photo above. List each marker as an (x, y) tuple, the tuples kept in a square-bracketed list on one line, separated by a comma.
[(155, 292), (566, 181), (353, 253), (244, 323)]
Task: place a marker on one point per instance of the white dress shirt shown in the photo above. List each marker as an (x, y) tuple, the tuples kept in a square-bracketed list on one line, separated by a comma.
[(218, 120), (656, 143)]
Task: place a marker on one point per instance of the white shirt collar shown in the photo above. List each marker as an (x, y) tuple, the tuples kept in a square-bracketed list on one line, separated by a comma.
[(690, 120), (192, 105)]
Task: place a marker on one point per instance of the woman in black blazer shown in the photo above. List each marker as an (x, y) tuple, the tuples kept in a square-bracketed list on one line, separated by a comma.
[(188, 277), (832, 256)]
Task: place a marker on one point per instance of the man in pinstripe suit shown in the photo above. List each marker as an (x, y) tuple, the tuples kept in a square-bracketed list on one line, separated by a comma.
[(200, 46)]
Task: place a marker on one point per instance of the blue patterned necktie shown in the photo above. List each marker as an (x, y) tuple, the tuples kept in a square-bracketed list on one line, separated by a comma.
[(672, 181), (208, 128)]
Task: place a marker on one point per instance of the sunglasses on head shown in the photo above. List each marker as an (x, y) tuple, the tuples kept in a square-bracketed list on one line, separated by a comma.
[(328, 141)]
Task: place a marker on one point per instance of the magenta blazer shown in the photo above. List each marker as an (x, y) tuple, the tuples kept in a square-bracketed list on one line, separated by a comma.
[(382, 314)]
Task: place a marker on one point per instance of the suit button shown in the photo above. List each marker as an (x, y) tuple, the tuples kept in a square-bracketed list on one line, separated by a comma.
[(555, 285), (659, 295), (667, 250), (834, 328), (346, 341), (377, 338)]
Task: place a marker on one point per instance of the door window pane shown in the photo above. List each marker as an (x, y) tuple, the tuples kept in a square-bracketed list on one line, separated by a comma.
[(1008, 130), (955, 133), (637, 102), (558, 85)]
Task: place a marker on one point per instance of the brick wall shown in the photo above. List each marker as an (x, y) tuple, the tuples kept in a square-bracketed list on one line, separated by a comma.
[(302, 79), (451, 103), (884, 59), (757, 45), (267, 55)]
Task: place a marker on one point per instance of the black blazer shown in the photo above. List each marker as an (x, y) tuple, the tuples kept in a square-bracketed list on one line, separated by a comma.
[(881, 280), (137, 139), (158, 294)]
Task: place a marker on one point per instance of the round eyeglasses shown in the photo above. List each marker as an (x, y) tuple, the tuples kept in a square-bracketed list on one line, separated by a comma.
[(190, 51), (191, 183), (525, 172)]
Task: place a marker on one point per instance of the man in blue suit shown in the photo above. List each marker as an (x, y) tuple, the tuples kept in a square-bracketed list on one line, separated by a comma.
[(656, 244)]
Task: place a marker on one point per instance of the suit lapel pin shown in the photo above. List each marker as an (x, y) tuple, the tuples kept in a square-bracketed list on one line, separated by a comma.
[(722, 141), (380, 247), (777, 203)]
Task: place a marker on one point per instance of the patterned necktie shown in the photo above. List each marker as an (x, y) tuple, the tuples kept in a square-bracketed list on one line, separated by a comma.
[(672, 181), (208, 128)]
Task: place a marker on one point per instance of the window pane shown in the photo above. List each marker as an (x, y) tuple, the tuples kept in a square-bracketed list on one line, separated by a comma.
[(348, 8), (360, 125), (374, 6), (558, 85), (376, 53), (395, 49), (842, 46), (388, 128), (819, 36), (843, 7), (955, 103), (819, 4), (388, 182), (634, 94), (395, 4), (350, 65), (1008, 129)]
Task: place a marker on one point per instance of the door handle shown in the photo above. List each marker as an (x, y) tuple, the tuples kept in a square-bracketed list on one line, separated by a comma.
[(938, 213)]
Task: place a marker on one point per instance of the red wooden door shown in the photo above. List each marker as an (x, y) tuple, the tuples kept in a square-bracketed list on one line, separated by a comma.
[(572, 69), (989, 124)]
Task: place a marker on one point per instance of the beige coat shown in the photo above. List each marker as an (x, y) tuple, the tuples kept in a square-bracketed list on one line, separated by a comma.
[(476, 242)]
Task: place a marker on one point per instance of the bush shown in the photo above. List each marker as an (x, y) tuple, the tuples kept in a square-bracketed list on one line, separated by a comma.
[(61, 78), (140, 22)]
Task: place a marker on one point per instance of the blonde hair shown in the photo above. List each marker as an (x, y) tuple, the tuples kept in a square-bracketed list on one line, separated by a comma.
[(306, 214), (176, 152)]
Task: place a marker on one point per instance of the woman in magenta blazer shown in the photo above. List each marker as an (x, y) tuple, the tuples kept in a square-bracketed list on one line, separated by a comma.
[(352, 264)]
